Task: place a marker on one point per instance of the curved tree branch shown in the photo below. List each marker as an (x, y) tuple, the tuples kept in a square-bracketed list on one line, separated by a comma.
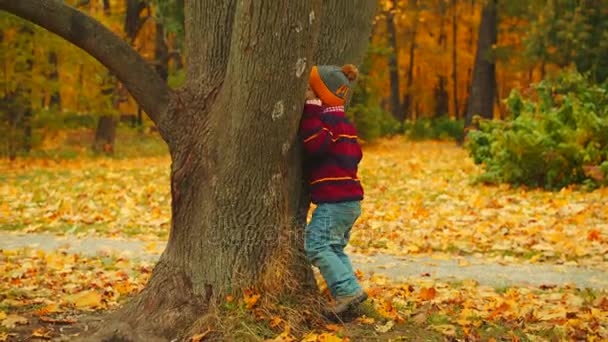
[(148, 89)]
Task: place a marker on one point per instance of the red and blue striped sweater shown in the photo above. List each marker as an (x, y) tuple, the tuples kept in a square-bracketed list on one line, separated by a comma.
[(333, 154)]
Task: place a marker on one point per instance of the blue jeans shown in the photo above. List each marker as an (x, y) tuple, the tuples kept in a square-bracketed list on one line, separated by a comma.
[(326, 236)]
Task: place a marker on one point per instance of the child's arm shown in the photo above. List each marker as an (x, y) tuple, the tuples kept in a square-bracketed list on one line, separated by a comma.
[(316, 137)]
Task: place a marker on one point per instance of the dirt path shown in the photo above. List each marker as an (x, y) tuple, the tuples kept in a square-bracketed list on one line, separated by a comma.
[(395, 268)]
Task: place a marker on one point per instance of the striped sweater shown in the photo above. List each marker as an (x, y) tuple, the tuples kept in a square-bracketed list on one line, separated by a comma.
[(333, 154)]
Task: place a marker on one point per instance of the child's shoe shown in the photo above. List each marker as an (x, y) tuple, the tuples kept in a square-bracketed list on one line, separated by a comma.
[(348, 302)]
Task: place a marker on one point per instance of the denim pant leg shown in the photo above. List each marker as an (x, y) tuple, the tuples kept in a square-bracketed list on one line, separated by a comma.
[(350, 212), (324, 244)]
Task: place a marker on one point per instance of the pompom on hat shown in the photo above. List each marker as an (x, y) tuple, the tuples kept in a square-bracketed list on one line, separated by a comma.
[(332, 84)]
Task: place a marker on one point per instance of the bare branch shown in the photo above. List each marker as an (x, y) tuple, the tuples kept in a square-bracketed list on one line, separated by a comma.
[(148, 89)]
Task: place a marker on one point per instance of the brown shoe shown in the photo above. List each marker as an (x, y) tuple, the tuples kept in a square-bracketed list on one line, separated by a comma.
[(348, 302)]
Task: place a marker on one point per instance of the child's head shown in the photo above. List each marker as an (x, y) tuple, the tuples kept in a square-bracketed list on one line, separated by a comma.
[(332, 84)]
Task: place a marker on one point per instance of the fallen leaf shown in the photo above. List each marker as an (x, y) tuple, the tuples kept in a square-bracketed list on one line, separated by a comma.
[(200, 337), (275, 321), (13, 320), (250, 298), (366, 320), (594, 235), (85, 299), (52, 308), (384, 328), (2, 315), (42, 333), (446, 329), (57, 321), (333, 327), (427, 293)]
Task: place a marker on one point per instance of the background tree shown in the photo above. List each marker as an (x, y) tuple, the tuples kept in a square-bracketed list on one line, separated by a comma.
[(231, 130), (483, 87), (393, 58)]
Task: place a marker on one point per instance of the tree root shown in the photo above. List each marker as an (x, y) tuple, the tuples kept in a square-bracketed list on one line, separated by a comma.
[(163, 311)]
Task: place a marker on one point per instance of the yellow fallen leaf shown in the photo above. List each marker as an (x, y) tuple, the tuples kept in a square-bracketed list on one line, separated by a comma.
[(151, 247), (275, 321), (310, 337), (446, 329), (12, 320), (328, 337), (250, 298), (366, 320), (285, 336), (2, 315), (384, 328), (42, 333), (86, 299)]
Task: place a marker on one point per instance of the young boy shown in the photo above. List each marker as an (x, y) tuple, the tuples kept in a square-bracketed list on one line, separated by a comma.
[(333, 155)]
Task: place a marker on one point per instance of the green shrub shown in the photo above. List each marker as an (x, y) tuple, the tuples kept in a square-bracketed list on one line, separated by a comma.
[(556, 137), (372, 122), (442, 128)]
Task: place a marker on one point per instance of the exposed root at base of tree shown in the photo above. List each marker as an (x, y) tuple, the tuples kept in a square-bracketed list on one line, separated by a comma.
[(166, 308), (169, 310), (218, 322)]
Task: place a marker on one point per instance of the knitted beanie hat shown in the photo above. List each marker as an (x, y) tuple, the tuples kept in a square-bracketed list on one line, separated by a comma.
[(332, 84)]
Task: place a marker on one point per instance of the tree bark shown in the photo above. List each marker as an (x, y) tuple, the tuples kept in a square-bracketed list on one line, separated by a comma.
[(393, 64), (105, 135), (455, 59), (161, 52), (483, 88), (236, 180), (55, 98), (408, 100), (441, 92)]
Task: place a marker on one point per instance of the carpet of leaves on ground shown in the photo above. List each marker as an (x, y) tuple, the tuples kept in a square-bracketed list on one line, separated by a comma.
[(50, 290), (419, 199)]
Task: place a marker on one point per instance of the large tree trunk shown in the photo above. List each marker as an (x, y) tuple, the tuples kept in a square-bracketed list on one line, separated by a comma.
[(236, 180), (483, 88)]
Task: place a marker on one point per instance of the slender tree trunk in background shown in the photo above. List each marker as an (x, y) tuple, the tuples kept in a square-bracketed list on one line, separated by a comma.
[(483, 88), (471, 41), (161, 52), (133, 19), (441, 92), (132, 26), (409, 98), (25, 95), (55, 99), (393, 64), (455, 59), (105, 134), (231, 132)]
